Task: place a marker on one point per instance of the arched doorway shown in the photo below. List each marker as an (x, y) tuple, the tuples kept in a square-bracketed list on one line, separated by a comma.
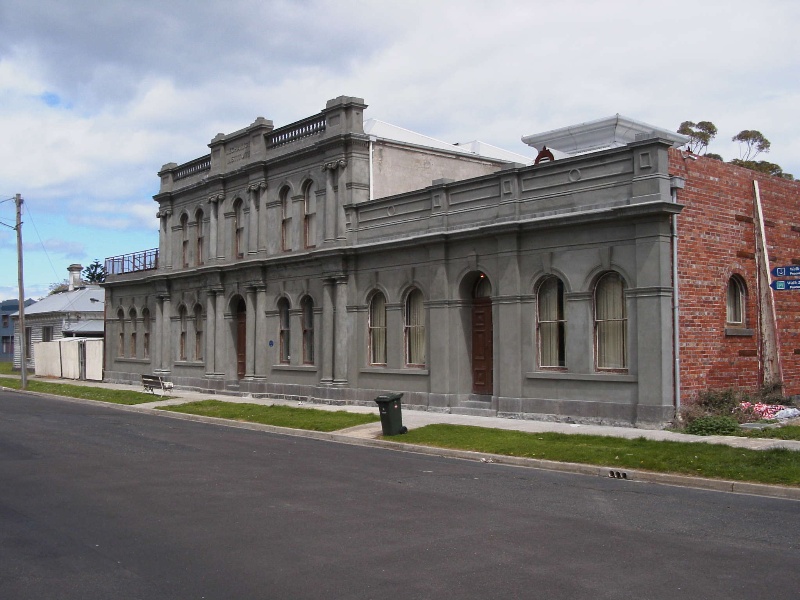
[(482, 347), (241, 338)]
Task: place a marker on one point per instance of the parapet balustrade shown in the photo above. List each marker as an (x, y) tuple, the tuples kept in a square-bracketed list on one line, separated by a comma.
[(296, 131), (144, 260), (192, 168)]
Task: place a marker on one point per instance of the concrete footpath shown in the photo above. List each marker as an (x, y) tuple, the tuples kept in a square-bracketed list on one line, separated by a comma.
[(369, 434)]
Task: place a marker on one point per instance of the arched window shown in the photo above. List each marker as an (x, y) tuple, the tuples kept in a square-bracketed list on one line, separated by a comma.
[(238, 228), (182, 338), (377, 329), (307, 308), (309, 229), (121, 333), (414, 329), (198, 332), (132, 340), (610, 323), (185, 240), (284, 331), (550, 323), (200, 238), (483, 287), (735, 306), (146, 333), (286, 219)]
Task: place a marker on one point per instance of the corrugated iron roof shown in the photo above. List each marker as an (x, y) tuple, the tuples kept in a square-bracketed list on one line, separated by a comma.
[(387, 131), (86, 299)]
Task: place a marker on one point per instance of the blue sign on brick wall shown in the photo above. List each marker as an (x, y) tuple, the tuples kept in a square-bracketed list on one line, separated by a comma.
[(786, 284), (788, 271)]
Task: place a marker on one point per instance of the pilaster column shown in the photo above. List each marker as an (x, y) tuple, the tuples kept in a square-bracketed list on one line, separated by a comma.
[(166, 334), (261, 331), (250, 324), (214, 202), (327, 331), (252, 219), (341, 333), (330, 203), (165, 238), (210, 331), (155, 351), (341, 196), (221, 341), (263, 222), (162, 239)]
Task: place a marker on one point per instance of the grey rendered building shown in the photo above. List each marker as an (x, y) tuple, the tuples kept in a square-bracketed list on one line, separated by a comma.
[(331, 260)]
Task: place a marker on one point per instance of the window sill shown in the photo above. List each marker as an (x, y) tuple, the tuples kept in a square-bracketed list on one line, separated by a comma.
[(285, 367), (189, 363), (132, 360), (385, 371), (739, 332), (617, 377)]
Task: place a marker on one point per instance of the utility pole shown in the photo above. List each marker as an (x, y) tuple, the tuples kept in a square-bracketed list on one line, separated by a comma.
[(22, 337)]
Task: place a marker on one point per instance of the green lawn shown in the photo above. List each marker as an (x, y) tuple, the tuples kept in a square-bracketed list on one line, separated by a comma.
[(5, 369), (698, 459), (83, 391), (280, 416)]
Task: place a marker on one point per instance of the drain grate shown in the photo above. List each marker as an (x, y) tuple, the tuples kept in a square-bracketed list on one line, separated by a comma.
[(618, 474)]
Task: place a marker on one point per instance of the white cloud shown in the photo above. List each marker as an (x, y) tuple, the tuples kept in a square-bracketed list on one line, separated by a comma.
[(96, 97)]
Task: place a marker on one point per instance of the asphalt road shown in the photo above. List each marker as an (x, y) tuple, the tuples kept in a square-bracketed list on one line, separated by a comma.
[(101, 503)]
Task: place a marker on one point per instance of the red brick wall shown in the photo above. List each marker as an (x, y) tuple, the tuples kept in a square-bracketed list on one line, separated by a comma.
[(716, 239)]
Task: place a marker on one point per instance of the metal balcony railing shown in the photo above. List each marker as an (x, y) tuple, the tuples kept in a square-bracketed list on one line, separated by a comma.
[(145, 260)]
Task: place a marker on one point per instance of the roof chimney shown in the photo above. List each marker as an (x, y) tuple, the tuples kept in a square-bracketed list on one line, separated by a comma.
[(74, 276)]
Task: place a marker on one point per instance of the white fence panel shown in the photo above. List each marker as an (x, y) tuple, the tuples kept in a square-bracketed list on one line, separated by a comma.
[(94, 360)]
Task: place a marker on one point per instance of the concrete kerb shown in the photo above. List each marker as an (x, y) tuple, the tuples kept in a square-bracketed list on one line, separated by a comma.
[(366, 435)]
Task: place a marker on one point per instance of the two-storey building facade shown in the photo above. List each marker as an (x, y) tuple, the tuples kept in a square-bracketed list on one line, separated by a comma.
[(318, 261)]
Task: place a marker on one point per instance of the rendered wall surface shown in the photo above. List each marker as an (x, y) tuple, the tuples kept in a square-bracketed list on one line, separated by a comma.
[(575, 219), (397, 169)]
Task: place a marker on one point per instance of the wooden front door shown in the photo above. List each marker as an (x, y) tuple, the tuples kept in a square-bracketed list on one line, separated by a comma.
[(241, 338), (482, 357)]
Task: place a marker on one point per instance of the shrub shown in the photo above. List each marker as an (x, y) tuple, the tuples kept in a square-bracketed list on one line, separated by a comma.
[(713, 425), (772, 393)]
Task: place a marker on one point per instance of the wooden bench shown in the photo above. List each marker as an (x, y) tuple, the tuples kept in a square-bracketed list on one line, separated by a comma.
[(151, 382)]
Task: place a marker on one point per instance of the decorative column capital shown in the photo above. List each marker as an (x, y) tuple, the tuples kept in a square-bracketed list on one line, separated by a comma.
[(336, 164), (216, 198)]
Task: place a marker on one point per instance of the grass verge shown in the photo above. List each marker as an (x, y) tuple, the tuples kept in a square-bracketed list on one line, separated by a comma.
[(281, 416), (84, 392), (7, 368), (778, 466)]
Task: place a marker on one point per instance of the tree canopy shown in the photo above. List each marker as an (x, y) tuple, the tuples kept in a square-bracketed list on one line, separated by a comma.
[(94, 273), (751, 144), (700, 134)]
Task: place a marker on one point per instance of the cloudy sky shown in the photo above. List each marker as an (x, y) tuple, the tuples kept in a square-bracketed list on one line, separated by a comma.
[(96, 95)]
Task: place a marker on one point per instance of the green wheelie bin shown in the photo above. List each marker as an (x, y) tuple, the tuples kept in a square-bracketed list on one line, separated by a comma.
[(391, 414)]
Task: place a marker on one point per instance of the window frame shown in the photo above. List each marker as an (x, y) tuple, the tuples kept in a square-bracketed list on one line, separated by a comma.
[(199, 238), (415, 330), (182, 338), (198, 332), (736, 287), (307, 320), (560, 323), (238, 228), (132, 336), (600, 328), (284, 331), (374, 331)]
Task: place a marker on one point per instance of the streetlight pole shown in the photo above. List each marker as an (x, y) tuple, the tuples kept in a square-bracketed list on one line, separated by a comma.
[(22, 337)]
